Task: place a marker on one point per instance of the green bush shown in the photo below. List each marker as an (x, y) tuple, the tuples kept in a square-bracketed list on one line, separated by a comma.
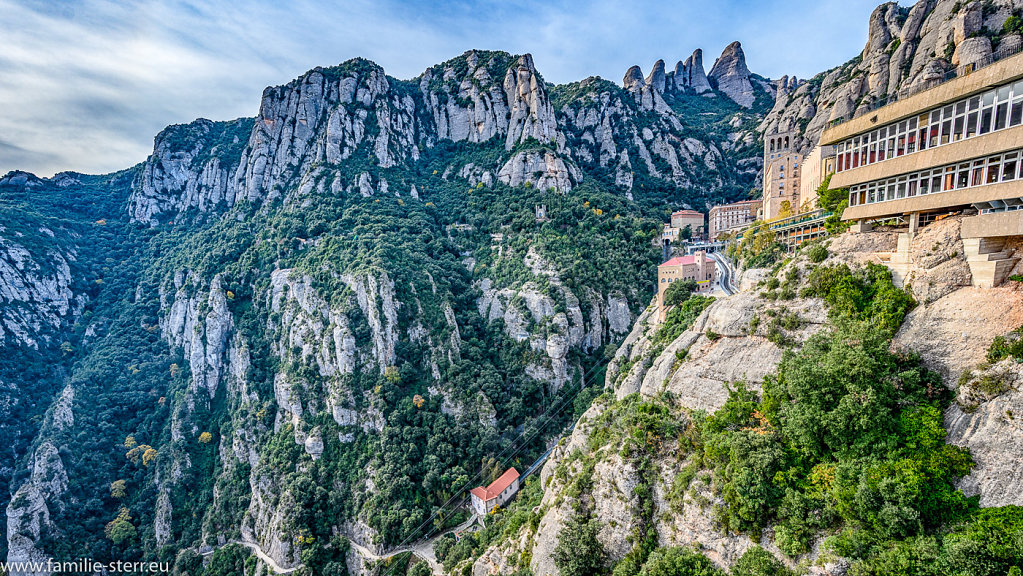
[(1005, 346), (679, 292), (679, 562), (759, 562), (817, 253), (578, 552)]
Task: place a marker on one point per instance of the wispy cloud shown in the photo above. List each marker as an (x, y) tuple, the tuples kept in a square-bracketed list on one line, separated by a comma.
[(86, 84)]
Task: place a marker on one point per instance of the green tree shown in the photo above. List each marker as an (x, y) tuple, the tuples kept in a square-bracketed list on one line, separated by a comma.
[(578, 552), (759, 562), (678, 292), (679, 562)]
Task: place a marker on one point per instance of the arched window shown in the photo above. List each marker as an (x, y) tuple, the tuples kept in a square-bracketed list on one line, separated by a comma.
[(786, 142)]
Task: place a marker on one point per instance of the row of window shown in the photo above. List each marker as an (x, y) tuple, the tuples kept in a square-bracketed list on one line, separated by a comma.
[(990, 170), (993, 110), (670, 280), (1012, 208)]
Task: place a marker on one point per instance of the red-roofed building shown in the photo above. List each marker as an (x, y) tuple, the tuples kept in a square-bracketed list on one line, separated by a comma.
[(500, 491), (697, 267)]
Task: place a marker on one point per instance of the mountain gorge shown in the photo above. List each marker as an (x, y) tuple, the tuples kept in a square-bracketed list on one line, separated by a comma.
[(317, 324), (307, 332)]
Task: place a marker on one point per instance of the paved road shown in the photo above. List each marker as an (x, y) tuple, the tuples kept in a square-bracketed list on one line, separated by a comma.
[(422, 549), (259, 552), (724, 273)]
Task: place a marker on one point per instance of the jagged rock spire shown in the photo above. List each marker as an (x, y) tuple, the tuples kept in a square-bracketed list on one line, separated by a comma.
[(633, 78), (657, 77), (690, 74), (732, 76)]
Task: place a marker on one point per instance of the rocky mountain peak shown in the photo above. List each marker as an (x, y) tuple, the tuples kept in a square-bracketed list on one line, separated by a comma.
[(633, 78), (657, 77), (884, 26), (531, 112), (691, 74), (732, 76)]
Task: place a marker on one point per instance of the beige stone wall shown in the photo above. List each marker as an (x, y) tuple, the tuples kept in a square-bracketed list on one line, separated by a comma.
[(816, 167), (994, 225)]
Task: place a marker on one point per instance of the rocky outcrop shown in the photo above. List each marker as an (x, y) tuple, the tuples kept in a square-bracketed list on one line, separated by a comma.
[(540, 169), (530, 314), (36, 297), (530, 112), (657, 78), (986, 420), (731, 76), (484, 95), (311, 332), (30, 509), (612, 497), (191, 168), (202, 336), (690, 74)]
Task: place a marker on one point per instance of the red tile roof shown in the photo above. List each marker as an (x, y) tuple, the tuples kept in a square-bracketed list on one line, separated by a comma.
[(680, 260), (686, 213), (497, 486)]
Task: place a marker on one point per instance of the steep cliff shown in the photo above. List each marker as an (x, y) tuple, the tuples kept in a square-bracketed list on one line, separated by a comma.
[(640, 461)]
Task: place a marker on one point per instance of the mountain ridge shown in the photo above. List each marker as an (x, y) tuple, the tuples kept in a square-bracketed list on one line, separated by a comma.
[(310, 326)]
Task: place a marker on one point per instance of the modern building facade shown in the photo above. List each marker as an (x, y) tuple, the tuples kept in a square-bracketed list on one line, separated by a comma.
[(953, 148), (781, 175), (729, 217), (697, 267), (484, 500)]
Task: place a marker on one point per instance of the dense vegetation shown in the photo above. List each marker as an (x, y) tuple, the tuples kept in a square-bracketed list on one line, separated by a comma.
[(130, 384), (846, 441)]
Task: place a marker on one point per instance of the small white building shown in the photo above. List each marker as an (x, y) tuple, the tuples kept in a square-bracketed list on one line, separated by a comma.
[(500, 491)]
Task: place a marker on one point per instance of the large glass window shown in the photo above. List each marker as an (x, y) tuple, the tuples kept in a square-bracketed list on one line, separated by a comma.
[(996, 109), (1009, 168)]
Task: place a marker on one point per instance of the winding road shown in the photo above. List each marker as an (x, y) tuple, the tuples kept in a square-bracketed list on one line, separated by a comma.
[(724, 273), (423, 548), (259, 553)]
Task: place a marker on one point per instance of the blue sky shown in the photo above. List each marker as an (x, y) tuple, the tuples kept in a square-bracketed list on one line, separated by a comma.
[(86, 84)]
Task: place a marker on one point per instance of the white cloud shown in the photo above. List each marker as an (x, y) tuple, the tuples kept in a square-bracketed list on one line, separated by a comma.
[(88, 83)]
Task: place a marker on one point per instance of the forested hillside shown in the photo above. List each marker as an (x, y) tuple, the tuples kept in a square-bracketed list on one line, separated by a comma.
[(322, 323), (292, 340)]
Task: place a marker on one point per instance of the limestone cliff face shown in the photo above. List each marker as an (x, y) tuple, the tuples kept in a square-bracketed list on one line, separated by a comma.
[(732, 77), (529, 314), (691, 74), (541, 169), (36, 296), (321, 119), (907, 48), (30, 508), (307, 128)]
